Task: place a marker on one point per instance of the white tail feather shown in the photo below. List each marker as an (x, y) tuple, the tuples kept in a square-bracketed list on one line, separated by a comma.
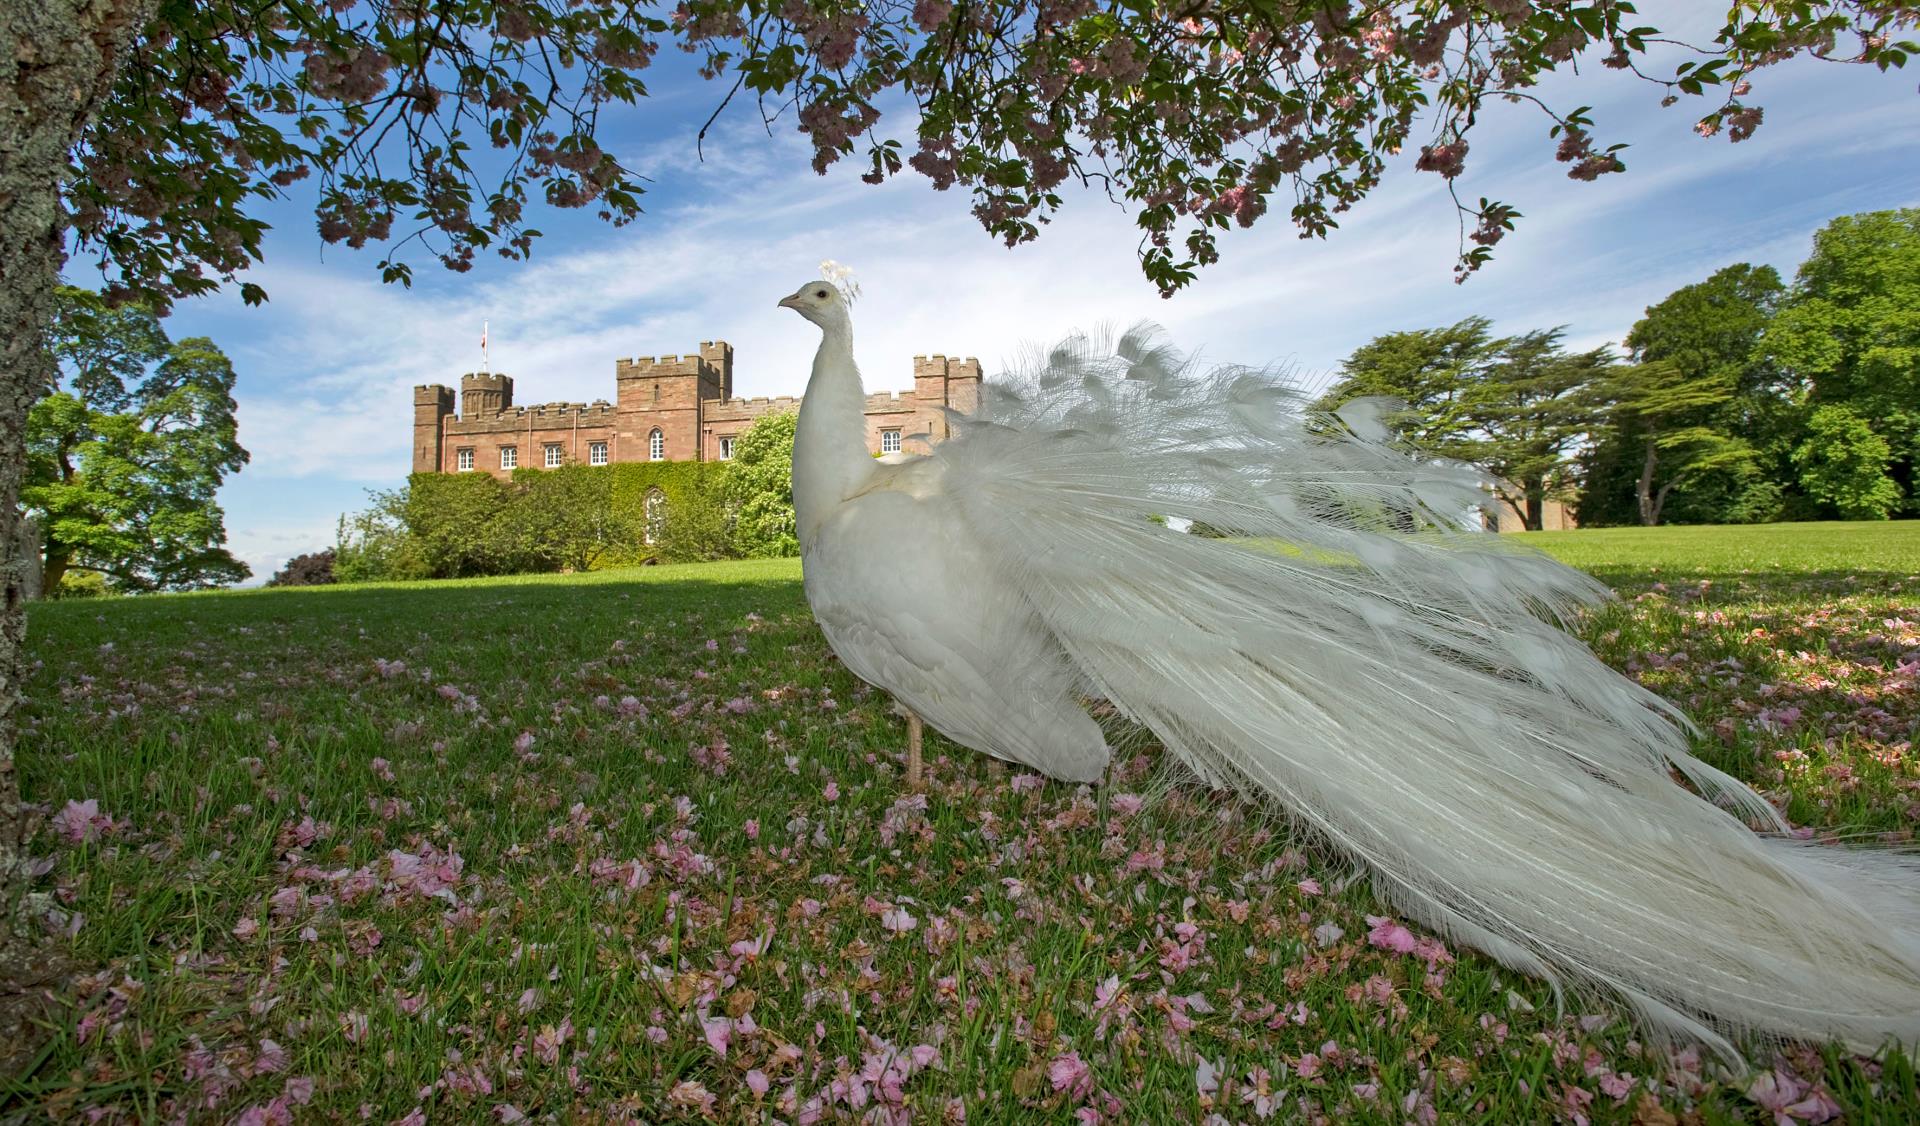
[(1357, 655)]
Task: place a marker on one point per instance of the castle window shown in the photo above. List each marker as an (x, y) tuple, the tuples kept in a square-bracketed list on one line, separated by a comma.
[(464, 460), (509, 457), (656, 392), (889, 441), (726, 448), (656, 446), (654, 509), (596, 453), (554, 460)]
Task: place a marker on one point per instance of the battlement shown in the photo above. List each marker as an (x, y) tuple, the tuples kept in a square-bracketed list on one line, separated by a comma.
[(485, 392), (746, 410), (890, 401), (676, 406), (540, 416), (657, 361)]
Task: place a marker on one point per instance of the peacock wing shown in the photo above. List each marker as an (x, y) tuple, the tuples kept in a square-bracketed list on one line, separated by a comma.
[(908, 603)]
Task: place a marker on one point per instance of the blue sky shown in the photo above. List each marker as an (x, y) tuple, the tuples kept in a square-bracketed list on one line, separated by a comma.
[(326, 369)]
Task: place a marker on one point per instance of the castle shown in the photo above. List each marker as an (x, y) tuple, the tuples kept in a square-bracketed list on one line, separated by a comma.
[(665, 408)]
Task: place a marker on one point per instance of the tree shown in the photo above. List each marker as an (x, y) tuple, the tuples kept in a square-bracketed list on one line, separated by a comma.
[(125, 457), (1690, 405), (1427, 371), (373, 545), (1850, 330), (1515, 406), (1529, 409), (141, 131), (1696, 406), (315, 568), (760, 488), (1844, 463)]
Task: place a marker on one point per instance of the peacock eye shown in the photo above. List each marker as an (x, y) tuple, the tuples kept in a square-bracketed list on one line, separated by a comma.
[(821, 294)]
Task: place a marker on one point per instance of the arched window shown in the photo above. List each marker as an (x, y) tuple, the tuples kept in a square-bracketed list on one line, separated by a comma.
[(656, 446), (654, 511)]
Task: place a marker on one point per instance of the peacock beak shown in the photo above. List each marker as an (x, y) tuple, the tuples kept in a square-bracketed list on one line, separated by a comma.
[(791, 301)]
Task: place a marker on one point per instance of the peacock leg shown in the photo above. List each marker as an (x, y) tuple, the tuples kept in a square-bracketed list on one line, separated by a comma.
[(913, 749)]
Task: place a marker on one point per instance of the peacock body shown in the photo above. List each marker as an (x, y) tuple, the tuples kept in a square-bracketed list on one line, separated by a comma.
[(1349, 651)]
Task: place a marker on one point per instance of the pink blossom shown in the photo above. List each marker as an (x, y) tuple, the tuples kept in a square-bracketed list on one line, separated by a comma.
[(692, 1095), (1789, 1099), (832, 792), (549, 1040), (82, 821), (1388, 934), (353, 1026), (381, 769), (1070, 1073), (930, 14)]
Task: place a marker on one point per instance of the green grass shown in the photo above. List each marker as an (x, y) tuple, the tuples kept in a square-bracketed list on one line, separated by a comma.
[(1867, 551), (261, 882)]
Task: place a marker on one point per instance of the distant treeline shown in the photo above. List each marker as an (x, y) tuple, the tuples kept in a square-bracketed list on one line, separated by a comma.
[(1739, 399)]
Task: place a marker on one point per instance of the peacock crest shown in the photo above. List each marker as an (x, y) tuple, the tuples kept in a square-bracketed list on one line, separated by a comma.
[(842, 279)]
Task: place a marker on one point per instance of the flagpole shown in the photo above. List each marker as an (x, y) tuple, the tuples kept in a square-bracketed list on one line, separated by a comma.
[(486, 365)]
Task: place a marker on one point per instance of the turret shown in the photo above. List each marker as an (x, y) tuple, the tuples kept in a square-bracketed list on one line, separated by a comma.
[(718, 355), (940, 381), (432, 403), (485, 393)]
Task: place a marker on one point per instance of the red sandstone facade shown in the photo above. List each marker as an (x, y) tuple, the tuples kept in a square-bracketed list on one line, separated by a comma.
[(665, 408)]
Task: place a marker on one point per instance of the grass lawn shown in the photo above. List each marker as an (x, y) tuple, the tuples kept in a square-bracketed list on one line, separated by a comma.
[(631, 846)]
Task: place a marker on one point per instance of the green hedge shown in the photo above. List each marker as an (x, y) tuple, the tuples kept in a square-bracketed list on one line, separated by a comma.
[(576, 517)]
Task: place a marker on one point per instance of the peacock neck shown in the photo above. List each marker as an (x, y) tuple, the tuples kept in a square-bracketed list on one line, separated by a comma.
[(830, 458)]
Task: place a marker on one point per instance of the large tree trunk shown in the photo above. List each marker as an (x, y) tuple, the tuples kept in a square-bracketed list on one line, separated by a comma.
[(55, 570), (58, 59), (1649, 509)]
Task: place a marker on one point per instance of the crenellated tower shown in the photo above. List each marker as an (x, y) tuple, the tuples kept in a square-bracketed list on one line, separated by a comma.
[(941, 381), (666, 394), (485, 393), (432, 403)]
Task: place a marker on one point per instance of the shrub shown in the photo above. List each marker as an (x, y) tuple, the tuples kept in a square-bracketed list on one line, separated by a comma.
[(312, 569), (81, 584), (760, 488), (577, 517), (375, 546)]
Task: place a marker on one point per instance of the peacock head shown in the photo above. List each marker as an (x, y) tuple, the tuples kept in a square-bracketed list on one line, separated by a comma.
[(820, 302)]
